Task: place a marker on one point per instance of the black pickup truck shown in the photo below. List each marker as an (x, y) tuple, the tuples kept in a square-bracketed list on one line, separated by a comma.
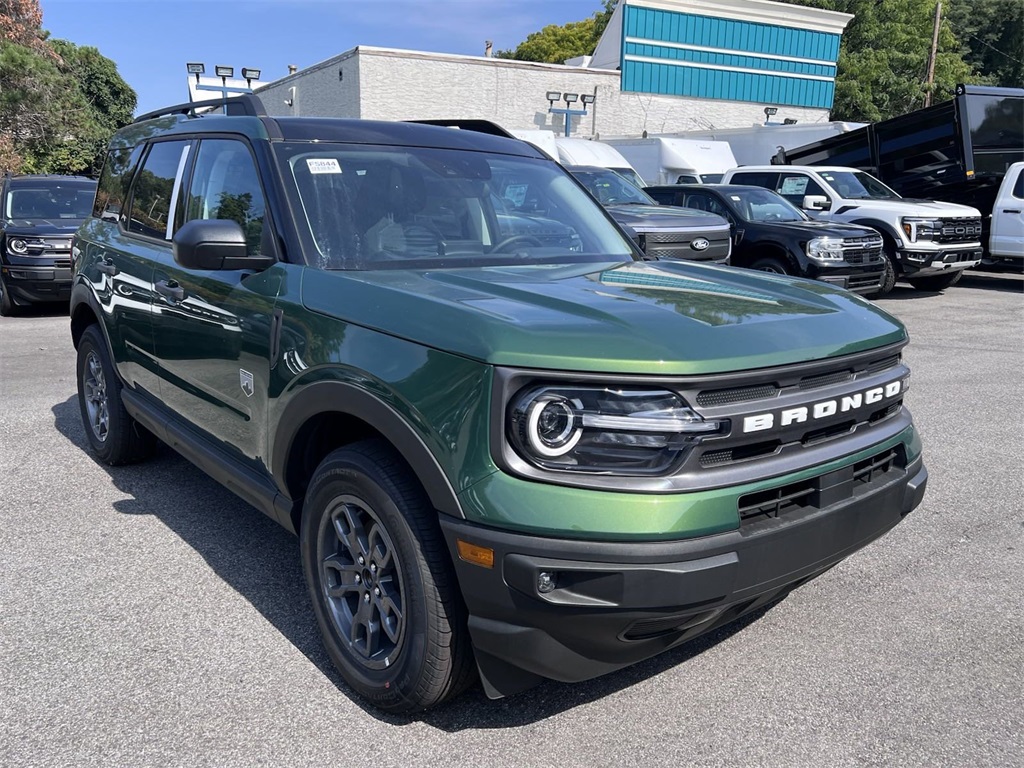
[(771, 234)]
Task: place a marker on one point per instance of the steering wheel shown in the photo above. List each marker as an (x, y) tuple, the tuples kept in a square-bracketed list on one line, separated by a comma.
[(773, 217), (527, 239)]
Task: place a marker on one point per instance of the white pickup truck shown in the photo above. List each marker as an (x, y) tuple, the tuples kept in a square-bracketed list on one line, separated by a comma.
[(927, 243), (1006, 241)]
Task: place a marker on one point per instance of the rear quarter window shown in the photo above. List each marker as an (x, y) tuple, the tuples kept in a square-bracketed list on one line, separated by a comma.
[(766, 179)]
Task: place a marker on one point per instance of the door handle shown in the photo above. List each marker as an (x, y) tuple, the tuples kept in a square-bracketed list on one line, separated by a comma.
[(170, 289), (1007, 210), (108, 267)]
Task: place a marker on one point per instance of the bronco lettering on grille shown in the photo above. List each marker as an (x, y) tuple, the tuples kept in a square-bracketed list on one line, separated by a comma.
[(823, 409)]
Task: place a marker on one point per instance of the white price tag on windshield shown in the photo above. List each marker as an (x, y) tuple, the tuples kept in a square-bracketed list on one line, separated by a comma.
[(322, 165)]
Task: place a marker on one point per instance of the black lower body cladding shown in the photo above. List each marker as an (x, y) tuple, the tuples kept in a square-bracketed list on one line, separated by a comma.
[(616, 603)]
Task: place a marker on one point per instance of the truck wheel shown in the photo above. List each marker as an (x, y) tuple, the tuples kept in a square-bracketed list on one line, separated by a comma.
[(6, 302), (381, 581), (771, 264), (937, 282), (116, 438), (888, 272)]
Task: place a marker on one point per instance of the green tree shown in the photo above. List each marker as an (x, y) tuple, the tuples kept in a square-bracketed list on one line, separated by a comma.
[(991, 35), (554, 44), (59, 103)]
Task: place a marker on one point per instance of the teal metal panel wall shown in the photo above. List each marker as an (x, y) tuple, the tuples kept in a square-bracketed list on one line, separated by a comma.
[(750, 45)]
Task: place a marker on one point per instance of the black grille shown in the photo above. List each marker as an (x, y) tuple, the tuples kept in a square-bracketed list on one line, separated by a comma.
[(882, 365), (824, 379), (713, 397), (824, 490), (740, 453), (959, 231)]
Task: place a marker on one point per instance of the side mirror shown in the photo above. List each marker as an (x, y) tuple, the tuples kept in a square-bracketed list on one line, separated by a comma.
[(816, 203), (215, 244)]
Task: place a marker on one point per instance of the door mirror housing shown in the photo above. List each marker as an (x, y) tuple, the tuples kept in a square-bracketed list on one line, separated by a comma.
[(215, 244), (816, 203)]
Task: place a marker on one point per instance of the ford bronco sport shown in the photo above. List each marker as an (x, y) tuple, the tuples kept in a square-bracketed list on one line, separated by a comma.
[(509, 446)]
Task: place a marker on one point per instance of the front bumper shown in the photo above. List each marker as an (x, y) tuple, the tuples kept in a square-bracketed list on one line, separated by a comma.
[(32, 284), (859, 279), (617, 603), (923, 263)]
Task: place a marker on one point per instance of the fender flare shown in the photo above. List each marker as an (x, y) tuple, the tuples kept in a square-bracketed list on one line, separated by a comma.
[(341, 397), (882, 227), (81, 294)]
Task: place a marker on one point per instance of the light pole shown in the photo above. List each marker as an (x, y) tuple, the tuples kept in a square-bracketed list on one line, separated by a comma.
[(569, 98), (223, 72)]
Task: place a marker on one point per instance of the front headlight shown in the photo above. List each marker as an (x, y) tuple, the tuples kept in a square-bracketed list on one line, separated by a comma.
[(621, 431), (17, 245), (917, 228), (825, 249)]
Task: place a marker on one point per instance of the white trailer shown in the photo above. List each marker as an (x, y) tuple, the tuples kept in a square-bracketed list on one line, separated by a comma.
[(669, 160), (597, 153), (542, 140), (758, 144)]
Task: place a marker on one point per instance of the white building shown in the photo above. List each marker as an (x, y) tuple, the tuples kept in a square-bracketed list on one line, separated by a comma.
[(662, 66)]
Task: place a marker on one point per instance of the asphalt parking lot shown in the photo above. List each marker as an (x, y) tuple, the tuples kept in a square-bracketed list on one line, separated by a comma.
[(149, 617)]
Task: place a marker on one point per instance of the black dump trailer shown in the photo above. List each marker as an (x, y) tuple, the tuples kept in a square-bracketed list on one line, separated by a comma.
[(957, 151)]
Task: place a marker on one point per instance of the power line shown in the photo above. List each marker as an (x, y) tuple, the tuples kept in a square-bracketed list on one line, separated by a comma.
[(1002, 53)]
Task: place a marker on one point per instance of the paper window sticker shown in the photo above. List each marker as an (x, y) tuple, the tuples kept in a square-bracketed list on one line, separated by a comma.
[(323, 165)]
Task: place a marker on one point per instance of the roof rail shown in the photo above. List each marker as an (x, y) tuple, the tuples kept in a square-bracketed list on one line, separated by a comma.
[(248, 104), (479, 126)]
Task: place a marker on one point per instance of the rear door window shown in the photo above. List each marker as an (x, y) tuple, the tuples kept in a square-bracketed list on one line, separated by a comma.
[(766, 179), (154, 196)]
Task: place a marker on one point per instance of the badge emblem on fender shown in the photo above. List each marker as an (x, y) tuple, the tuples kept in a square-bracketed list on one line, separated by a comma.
[(245, 382)]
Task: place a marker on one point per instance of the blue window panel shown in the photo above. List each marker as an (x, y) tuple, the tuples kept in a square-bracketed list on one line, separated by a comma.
[(699, 82), (754, 37), (729, 60)]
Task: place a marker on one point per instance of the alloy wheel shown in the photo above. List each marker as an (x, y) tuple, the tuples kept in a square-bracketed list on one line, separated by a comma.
[(361, 582), (95, 393)]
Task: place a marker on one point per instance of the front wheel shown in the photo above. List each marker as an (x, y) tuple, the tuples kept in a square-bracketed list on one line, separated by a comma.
[(7, 307), (936, 282), (383, 587), (772, 265), (888, 272)]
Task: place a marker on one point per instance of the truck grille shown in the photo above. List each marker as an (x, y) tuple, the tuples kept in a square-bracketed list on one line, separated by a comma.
[(824, 490), (862, 250), (967, 230), (679, 245)]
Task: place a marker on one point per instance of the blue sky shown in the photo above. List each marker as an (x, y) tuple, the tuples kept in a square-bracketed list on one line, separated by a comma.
[(151, 40)]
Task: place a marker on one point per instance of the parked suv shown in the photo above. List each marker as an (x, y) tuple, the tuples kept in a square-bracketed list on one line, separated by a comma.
[(771, 234), (40, 214), (663, 232), (528, 458), (927, 243)]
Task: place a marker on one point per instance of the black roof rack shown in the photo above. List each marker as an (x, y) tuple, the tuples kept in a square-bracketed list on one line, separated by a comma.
[(479, 126), (247, 104)]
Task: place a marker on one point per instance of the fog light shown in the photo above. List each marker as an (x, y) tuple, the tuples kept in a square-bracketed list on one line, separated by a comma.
[(545, 581)]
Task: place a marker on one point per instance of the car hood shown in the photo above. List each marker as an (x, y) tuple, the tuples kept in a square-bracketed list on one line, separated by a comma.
[(41, 227), (643, 317), (911, 207), (646, 217), (814, 228)]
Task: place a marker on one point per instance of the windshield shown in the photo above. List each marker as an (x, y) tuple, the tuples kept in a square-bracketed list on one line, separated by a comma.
[(373, 207), (631, 176), (50, 200), (612, 189), (712, 178), (757, 204), (857, 185)]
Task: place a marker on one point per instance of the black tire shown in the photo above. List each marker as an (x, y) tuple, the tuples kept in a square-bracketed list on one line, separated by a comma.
[(7, 306), (936, 282), (889, 270), (771, 264), (381, 581), (115, 437)]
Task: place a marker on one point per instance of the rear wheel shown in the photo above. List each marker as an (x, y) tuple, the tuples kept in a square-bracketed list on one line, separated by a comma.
[(382, 584), (115, 437), (771, 264), (936, 282)]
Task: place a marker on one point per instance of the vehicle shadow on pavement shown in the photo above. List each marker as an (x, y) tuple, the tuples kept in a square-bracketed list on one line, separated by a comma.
[(1009, 282), (260, 560)]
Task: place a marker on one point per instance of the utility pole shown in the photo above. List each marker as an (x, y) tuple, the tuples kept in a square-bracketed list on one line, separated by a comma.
[(931, 56)]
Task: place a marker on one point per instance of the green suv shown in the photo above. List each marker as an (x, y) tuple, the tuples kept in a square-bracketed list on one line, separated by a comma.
[(507, 443)]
